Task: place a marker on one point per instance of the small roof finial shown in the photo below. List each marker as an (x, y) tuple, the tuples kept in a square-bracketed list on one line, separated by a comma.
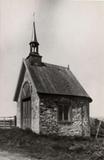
[(68, 67)]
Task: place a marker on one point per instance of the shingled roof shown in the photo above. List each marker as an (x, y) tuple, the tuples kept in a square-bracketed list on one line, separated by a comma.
[(54, 79), (49, 78)]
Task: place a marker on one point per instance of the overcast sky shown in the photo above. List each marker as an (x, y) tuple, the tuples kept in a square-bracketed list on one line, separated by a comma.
[(69, 32)]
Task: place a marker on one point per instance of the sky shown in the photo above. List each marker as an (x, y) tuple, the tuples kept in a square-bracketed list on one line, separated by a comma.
[(69, 32)]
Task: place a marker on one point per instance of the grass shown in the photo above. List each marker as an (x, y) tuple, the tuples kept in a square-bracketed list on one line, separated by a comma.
[(51, 147)]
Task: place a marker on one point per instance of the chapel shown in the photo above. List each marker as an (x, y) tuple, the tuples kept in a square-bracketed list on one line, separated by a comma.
[(50, 100)]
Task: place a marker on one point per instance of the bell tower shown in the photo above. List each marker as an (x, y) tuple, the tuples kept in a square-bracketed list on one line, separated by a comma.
[(34, 57), (34, 45)]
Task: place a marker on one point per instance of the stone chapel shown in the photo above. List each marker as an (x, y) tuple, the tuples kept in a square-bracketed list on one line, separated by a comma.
[(50, 100)]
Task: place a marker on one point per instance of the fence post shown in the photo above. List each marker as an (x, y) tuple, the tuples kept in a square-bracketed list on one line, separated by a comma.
[(15, 121), (4, 122), (97, 133)]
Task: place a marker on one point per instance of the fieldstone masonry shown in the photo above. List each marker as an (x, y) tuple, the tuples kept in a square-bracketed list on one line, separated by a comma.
[(79, 125)]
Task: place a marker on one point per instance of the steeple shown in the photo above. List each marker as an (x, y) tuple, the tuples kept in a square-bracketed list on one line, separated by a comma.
[(34, 34), (34, 43), (34, 57)]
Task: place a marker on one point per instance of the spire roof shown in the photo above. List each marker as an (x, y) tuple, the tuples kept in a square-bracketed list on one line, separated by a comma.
[(34, 45), (34, 34)]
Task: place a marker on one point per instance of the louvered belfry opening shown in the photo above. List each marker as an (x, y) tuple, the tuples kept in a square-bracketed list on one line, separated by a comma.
[(26, 106)]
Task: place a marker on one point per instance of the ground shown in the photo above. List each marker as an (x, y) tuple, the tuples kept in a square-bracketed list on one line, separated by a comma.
[(16, 144), (5, 155)]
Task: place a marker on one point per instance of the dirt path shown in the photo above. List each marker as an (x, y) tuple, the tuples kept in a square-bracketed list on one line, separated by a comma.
[(4, 155)]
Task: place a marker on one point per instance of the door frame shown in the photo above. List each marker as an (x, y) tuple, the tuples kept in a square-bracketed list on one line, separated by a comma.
[(23, 100)]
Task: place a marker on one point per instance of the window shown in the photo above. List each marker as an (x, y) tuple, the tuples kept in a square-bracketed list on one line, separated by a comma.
[(64, 113), (26, 91)]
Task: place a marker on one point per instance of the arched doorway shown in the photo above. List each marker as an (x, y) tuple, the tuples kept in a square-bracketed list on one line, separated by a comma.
[(26, 106)]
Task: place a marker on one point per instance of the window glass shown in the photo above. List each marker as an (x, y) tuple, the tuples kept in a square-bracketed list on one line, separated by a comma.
[(64, 113)]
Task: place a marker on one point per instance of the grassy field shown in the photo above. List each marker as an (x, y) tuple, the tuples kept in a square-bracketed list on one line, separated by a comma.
[(51, 147)]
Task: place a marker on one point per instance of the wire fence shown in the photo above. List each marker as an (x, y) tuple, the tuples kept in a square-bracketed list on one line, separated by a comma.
[(7, 122)]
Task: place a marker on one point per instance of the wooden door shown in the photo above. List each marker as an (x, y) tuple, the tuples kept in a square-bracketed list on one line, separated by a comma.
[(26, 113)]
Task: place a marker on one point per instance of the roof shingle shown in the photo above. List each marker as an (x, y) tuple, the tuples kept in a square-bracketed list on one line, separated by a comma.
[(53, 79)]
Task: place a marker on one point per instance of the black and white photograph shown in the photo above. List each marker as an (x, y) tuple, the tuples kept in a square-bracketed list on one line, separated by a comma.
[(51, 80)]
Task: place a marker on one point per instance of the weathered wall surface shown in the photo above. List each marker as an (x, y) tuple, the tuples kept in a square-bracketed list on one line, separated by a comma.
[(35, 112), (86, 120), (75, 127), (79, 125), (19, 114), (34, 105), (48, 116)]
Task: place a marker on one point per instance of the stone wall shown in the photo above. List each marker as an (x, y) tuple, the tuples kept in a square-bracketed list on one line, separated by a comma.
[(35, 112), (75, 127), (48, 116), (86, 120), (49, 124)]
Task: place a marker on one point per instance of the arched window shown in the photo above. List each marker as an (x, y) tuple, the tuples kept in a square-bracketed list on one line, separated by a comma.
[(26, 106), (26, 91)]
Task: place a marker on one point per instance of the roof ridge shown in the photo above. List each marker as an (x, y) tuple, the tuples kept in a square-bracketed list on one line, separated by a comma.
[(55, 65)]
